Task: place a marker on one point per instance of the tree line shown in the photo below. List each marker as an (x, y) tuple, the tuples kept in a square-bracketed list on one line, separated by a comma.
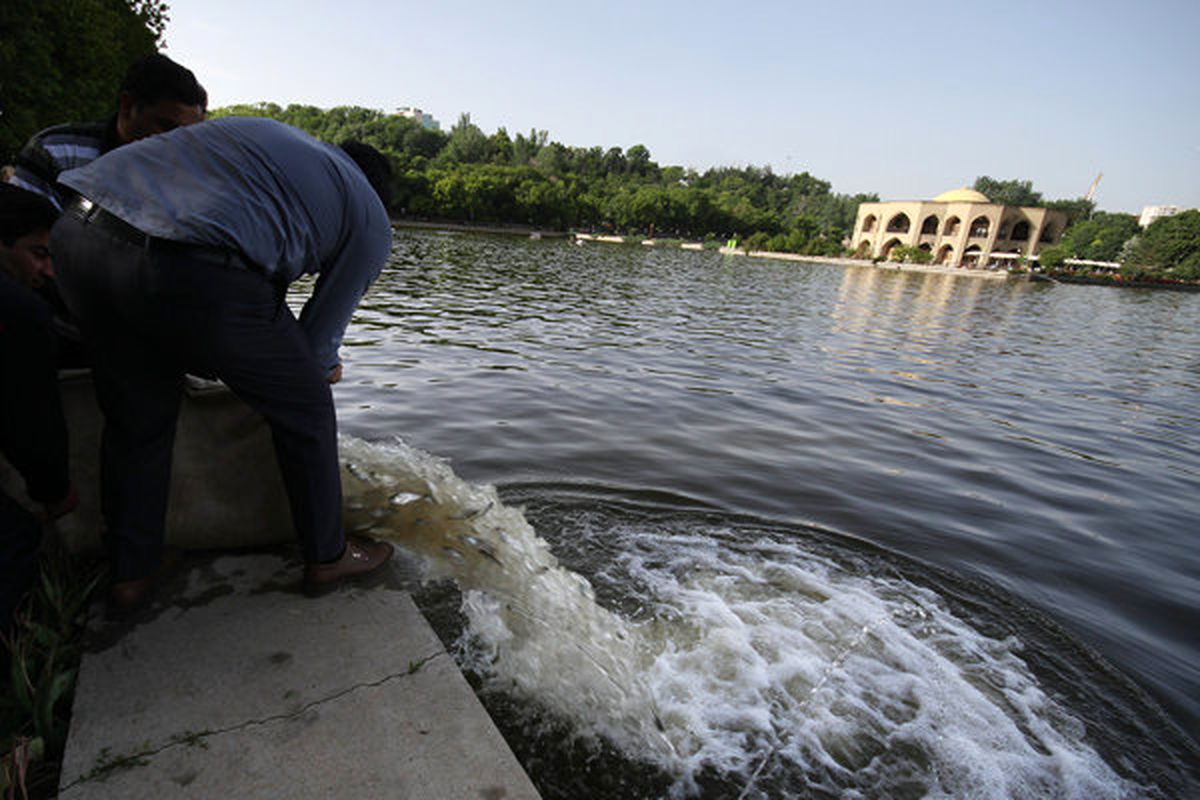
[(1169, 247), (527, 179)]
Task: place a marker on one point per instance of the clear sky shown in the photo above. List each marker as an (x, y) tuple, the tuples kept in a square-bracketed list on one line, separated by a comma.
[(903, 99)]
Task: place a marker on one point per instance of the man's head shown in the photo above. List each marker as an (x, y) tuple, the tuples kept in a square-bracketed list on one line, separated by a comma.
[(156, 96), (25, 220), (374, 165)]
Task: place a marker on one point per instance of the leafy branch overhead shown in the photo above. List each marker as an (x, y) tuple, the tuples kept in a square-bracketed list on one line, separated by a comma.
[(63, 61)]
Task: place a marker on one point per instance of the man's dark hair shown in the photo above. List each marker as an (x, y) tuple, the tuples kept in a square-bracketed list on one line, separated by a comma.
[(375, 166), (22, 212), (155, 78)]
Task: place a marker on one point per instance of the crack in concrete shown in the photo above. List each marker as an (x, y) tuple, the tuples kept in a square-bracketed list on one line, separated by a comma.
[(106, 765)]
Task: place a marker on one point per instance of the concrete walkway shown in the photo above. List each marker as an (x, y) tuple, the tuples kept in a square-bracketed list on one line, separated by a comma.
[(234, 685)]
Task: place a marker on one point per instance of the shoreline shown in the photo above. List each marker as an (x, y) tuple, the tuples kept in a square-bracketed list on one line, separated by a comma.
[(469, 227), (533, 232), (836, 260)]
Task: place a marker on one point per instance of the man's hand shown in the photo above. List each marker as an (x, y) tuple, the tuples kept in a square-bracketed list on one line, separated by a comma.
[(336, 375)]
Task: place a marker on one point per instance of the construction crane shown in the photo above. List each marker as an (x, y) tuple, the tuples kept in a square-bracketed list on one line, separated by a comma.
[(1092, 189)]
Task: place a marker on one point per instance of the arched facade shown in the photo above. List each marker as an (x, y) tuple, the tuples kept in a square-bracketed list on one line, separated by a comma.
[(961, 228)]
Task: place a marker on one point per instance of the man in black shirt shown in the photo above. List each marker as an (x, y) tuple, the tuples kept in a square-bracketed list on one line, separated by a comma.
[(33, 431)]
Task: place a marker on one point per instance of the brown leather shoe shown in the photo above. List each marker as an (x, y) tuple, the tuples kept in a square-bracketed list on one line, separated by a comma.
[(126, 597), (362, 556)]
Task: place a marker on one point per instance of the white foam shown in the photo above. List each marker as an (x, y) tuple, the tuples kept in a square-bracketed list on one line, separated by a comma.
[(763, 662)]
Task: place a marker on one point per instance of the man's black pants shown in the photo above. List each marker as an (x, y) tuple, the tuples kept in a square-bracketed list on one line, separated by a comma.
[(151, 313)]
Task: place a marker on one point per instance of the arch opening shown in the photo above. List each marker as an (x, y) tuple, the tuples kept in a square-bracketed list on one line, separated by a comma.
[(899, 223)]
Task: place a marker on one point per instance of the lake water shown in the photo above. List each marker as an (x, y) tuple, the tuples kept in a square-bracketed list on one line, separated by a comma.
[(777, 529)]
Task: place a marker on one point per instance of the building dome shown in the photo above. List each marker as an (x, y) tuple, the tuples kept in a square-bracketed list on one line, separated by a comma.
[(963, 195)]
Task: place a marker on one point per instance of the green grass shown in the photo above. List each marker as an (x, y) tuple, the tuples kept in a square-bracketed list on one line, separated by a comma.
[(44, 647)]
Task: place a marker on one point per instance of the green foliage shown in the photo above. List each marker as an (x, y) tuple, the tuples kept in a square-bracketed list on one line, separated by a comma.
[(44, 647), (467, 144), (63, 60), (1009, 193), (1077, 210), (1169, 247), (1052, 257), (1099, 238), (908, 254)]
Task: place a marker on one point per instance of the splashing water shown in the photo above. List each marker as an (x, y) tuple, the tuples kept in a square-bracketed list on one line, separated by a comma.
[(534, 622), (793, 672)]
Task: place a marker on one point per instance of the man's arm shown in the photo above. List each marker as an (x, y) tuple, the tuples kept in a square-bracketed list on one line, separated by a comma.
[(340, 286)]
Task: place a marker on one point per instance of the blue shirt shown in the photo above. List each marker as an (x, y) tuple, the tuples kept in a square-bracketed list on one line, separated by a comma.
[(290, 204)]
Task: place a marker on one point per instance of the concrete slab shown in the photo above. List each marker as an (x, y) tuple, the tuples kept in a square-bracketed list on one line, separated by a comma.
[(239, 686)]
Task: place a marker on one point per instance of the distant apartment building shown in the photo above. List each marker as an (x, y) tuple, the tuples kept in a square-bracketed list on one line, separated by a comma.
[(959, 228), (1151, 213), (427, 121)]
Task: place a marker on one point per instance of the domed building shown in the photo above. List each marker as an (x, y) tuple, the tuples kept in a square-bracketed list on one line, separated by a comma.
[(958, 228)]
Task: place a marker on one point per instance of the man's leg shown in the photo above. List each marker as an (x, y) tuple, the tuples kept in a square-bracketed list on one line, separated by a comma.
[(266, 359), (233, 323), (138, 386), (140, 403)]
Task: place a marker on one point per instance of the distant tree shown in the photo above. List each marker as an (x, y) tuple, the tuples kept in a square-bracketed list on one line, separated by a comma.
[(467, 143), (614, 162), (1009, 193), (544, 202), (1054, 256), (1077, 210), (672, 175), (501, 146), (587, 162), (1101, 237), (553, 159), (639, 163), (835, 211), (422, 141), (63, 60), (1169, 246), (526, 148)]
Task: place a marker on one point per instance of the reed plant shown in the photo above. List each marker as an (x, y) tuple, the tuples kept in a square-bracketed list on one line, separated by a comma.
[(44, 648)]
